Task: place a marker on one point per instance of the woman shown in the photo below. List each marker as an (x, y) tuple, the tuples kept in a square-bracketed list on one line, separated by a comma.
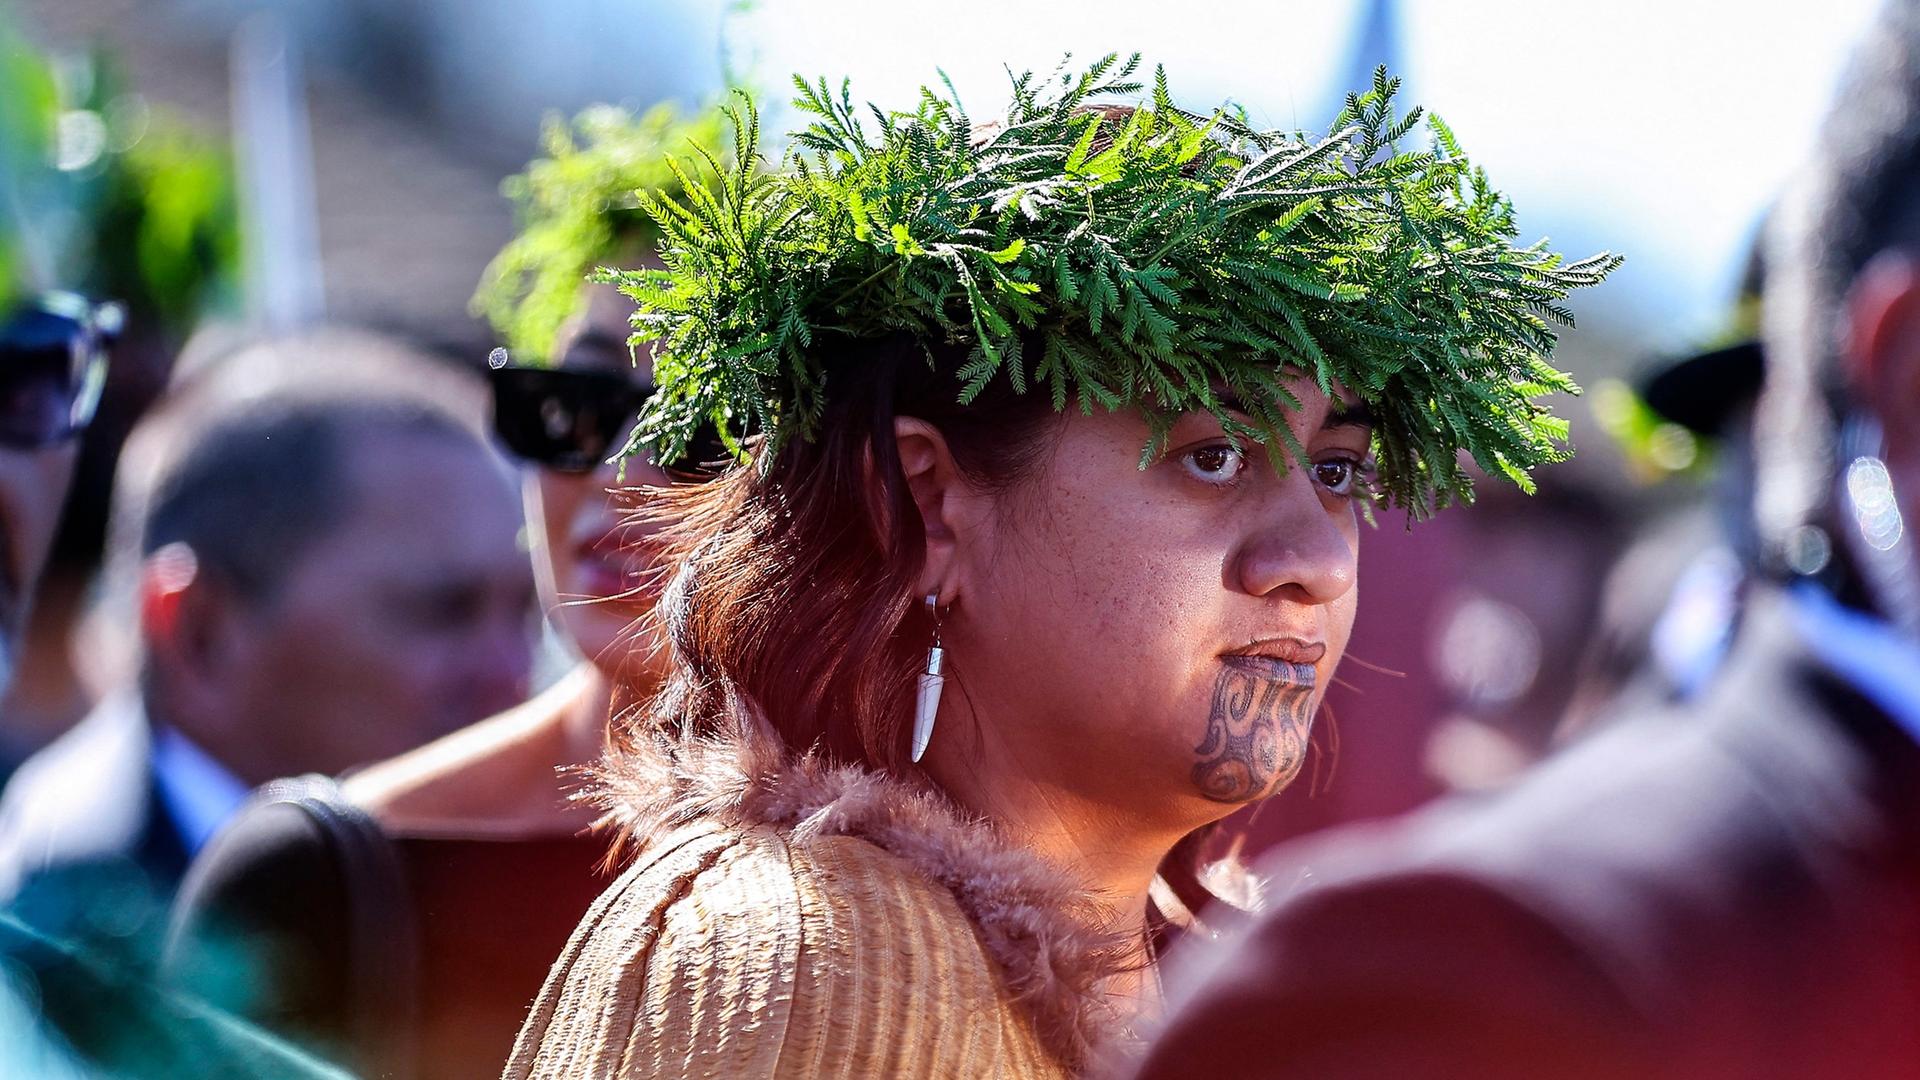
[(385, 921), (958, 675)]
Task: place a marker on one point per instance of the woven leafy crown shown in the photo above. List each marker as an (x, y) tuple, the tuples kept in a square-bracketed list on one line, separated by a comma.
[(1109, 257)]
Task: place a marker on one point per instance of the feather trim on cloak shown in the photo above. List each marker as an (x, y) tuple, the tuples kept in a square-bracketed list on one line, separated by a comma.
[(1037, 922)]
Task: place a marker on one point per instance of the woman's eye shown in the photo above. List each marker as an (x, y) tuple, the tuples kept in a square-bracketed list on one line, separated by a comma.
[(1339, 475), (1214, 464)]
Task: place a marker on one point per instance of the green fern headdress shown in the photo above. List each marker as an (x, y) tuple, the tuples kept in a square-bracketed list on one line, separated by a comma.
[(578, 210), (1147, 257)]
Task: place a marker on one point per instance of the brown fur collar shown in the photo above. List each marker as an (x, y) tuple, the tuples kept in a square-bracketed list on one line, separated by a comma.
[(1034, 920)]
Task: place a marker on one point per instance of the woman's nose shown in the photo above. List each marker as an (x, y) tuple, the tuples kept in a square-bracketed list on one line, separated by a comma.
[(1297, 548)]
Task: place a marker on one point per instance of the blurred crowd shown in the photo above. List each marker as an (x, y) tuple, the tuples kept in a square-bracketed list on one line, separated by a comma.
[(310, 634), (242, 560)]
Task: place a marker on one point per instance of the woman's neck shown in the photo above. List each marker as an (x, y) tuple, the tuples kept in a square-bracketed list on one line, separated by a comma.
[(1115, 851), (1109, 851)]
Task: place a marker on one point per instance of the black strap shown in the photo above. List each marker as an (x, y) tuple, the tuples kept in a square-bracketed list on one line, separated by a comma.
[(383, 947)]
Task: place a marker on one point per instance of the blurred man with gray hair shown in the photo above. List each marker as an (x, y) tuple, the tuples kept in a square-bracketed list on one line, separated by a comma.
[(321, 554)]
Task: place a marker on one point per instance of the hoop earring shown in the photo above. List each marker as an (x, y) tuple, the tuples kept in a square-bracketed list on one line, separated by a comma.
[(931, 682)]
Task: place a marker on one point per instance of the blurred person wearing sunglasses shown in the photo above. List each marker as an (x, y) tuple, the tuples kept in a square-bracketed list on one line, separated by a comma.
[(52, 366), (153, 224), (440, 844)]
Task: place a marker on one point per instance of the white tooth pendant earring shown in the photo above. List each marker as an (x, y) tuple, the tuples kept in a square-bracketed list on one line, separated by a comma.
[(931, 681)]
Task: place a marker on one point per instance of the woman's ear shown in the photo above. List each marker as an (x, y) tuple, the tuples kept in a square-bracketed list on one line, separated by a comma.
[(937, 488)]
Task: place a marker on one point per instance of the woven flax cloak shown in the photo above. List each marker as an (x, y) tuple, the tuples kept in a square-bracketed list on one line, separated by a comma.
[(790, 919)]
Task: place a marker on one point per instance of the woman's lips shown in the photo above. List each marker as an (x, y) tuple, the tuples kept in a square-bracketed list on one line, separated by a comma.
[(598, 579), (1281, 659), (603, 567), (601, 533)]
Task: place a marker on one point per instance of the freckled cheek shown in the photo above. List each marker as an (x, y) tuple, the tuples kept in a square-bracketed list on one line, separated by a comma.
[(1148, 595)]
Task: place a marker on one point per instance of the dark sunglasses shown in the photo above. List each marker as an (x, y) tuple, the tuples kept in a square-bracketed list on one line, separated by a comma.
[(571, 420), (53, 365)]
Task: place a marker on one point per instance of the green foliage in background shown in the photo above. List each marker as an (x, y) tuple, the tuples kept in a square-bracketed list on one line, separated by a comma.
[(166, 233), (123, 202), (1161, 259), (1654, 447), (579, 209), (28, 104), (163, 231)]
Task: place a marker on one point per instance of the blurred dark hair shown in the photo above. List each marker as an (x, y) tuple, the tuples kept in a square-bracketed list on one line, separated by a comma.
[(793, 588), (248, 458), (1859, 196), (794, 585), (251, 491)]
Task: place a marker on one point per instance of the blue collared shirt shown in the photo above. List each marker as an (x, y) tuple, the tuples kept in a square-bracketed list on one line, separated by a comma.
[(198, 791), (1877, 661)]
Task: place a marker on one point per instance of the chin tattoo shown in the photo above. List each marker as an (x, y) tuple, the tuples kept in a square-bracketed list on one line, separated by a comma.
[(1256, 736)]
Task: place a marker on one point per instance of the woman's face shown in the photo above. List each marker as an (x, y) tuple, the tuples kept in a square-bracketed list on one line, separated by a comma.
[(585, 553), (1171, 630)]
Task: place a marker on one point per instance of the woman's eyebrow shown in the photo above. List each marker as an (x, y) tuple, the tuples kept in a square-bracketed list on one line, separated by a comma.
[(1348, 414), (1341, 414)]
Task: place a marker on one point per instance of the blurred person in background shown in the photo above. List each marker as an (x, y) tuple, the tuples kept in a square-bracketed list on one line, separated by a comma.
[(1524, 599), (51, 360), (1671, 601), (321, 558), (66, 1013), (52, 364), (406, 943), (155, 229), (1727, 889)]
